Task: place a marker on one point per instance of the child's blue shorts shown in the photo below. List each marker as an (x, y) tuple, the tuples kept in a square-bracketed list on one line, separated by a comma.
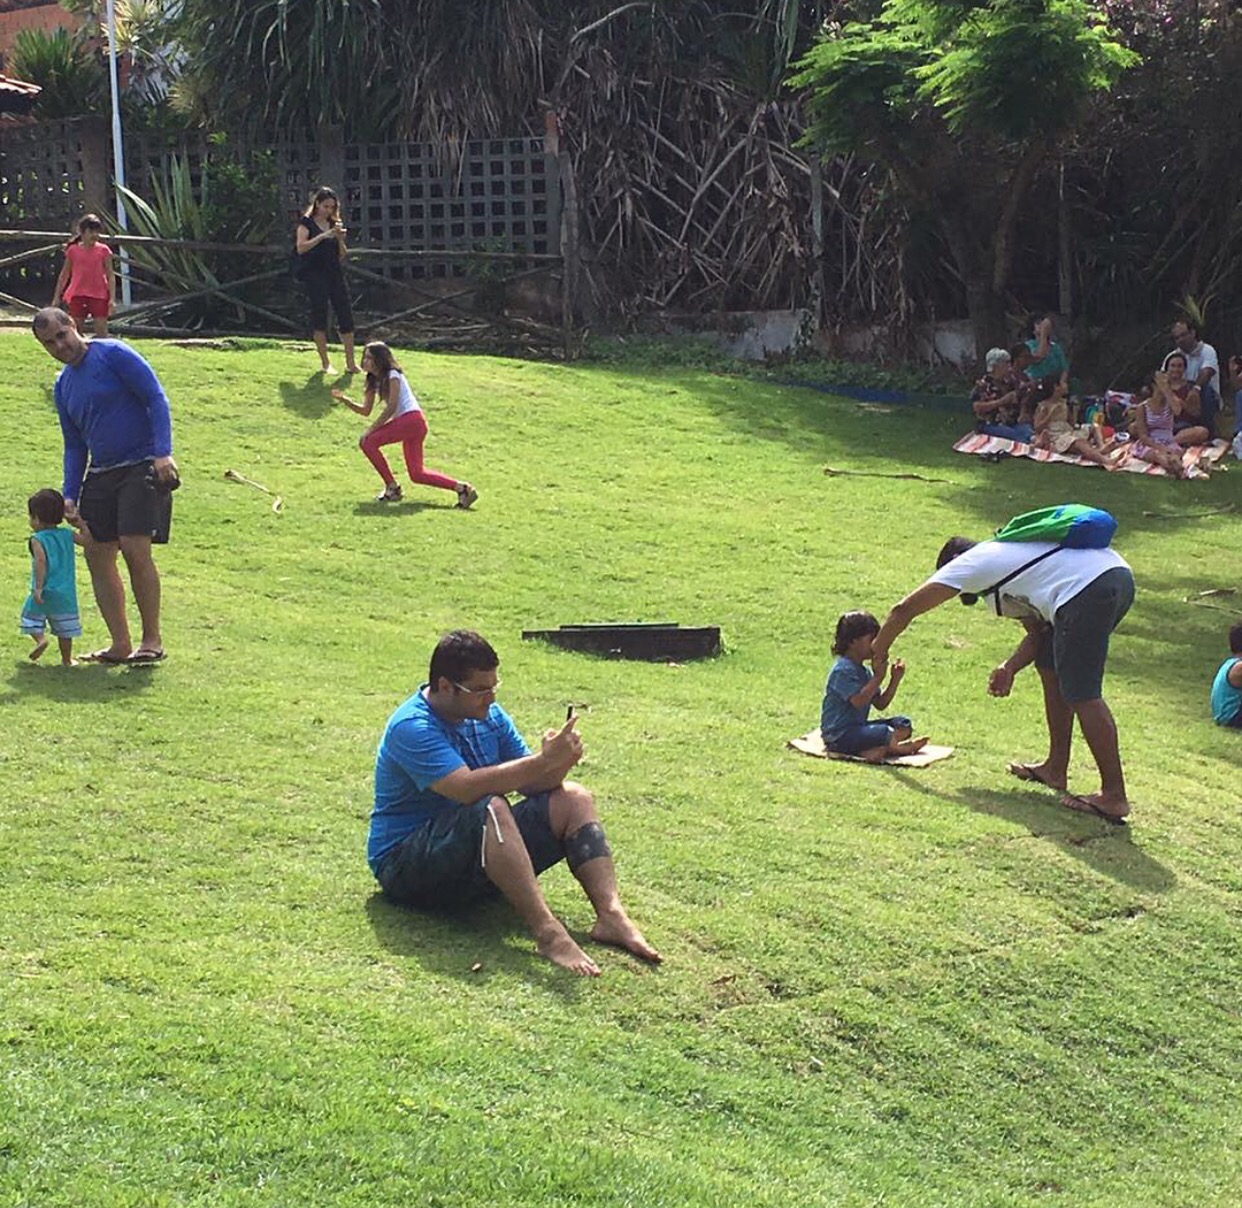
[(862, 738), (56, 613)]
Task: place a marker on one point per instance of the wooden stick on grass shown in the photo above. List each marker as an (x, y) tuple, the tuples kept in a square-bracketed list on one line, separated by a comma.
[(233, 476), (832, 472)]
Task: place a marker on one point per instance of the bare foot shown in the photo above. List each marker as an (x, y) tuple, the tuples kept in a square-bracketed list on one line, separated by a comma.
[(912, 747), (1111, 809), (39, 647), (617, 931), (68, 662), (560, 949)]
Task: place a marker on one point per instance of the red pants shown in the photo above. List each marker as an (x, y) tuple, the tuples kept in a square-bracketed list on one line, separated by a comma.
[(410, 430)]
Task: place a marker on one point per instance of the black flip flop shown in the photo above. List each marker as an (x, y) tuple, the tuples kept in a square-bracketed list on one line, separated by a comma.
[(103, 656), (1028, 775), (142, 658), (1089, 807)]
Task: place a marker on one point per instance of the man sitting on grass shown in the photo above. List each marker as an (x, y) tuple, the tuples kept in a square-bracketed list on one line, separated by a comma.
[(443, 832)]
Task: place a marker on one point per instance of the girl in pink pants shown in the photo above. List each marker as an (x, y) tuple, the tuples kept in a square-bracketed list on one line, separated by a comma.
[(400, 421)]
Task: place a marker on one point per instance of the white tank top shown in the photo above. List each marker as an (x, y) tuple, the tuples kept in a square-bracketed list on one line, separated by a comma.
[(406, 401)]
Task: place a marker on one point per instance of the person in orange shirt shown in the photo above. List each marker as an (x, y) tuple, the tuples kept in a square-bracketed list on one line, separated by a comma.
[(87, 282)]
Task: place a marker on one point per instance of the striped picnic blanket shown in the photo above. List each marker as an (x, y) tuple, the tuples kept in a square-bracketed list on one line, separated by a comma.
[(1198, 459)]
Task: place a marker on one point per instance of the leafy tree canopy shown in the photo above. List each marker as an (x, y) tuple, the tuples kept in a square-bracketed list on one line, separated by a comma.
[(1016, 69)]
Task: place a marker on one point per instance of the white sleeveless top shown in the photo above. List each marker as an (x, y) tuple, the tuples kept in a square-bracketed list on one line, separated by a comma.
[(406, 401)]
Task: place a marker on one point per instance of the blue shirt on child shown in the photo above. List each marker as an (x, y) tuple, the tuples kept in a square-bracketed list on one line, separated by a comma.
[(1226, 699), (846, 679), (420, 747)]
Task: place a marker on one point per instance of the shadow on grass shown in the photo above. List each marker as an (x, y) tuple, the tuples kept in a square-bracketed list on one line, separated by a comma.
[(1108, 849), (886, 439), (87, 682), (407, 507), (450, 943), (312, 399)]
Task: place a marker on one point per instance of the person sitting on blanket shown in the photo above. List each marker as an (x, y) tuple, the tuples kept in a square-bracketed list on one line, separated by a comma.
[(1151, 428), (852, 690), (1048, 358), (1054, 431), (997, 399), (1185, 399), (1202, 370), (1227, 686), (1021, 360)]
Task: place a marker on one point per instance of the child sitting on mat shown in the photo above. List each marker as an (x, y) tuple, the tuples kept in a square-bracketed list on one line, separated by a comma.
[(1054, 429), (852, 690)]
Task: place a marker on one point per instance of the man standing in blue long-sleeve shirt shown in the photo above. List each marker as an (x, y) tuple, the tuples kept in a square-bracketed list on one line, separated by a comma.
[(118, 470)]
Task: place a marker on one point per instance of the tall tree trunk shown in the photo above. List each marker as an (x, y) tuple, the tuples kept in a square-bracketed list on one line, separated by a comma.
[(984, 304)]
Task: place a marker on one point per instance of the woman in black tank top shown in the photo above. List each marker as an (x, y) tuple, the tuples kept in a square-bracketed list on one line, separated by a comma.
[(321, 249)]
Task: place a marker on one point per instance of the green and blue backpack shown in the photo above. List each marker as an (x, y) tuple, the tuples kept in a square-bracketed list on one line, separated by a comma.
[(1068, 526)]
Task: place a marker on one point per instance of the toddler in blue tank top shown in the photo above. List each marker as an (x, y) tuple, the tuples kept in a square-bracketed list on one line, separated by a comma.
[(53, 599), (1227, 686)]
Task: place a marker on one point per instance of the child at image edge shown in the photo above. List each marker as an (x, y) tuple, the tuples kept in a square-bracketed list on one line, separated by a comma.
[(1227, 686), (53, 600), (852, 690)]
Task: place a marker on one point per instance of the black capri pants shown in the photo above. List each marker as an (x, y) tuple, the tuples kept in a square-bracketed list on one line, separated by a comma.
[(324, 288)]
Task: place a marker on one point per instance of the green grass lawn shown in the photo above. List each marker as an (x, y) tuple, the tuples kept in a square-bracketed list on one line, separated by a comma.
[(881, 986)]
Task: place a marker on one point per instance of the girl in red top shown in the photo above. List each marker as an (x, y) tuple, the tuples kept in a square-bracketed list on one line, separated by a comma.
[(86, 281)]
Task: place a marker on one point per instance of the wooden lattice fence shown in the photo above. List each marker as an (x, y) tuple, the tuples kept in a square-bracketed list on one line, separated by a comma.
[(492, 195), (447, 230)]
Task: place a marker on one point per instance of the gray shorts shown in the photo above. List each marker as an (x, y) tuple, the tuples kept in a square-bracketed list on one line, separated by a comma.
[(1076, 647), (441, 863)]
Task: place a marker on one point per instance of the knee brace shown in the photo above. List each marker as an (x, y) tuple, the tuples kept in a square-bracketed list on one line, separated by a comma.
[(586, 843)]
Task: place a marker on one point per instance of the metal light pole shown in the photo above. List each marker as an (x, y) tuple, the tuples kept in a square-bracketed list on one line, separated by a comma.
[(118, 152)]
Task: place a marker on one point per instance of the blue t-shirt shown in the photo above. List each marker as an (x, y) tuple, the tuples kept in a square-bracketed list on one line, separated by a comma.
[(846, 679), (112, 409), (60, 595), (1226, 699), (418, 748)]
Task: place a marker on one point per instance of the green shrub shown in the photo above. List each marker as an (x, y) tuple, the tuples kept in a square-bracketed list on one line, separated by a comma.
[(72, 77)]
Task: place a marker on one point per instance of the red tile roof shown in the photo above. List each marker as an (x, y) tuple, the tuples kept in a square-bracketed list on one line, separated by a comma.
[(16, 96), (18, 87)]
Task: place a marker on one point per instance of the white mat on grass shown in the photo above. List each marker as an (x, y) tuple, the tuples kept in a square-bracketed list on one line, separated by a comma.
[(813, 744)]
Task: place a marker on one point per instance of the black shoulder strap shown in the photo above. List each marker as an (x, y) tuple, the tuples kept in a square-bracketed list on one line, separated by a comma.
[(1014, 574)]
